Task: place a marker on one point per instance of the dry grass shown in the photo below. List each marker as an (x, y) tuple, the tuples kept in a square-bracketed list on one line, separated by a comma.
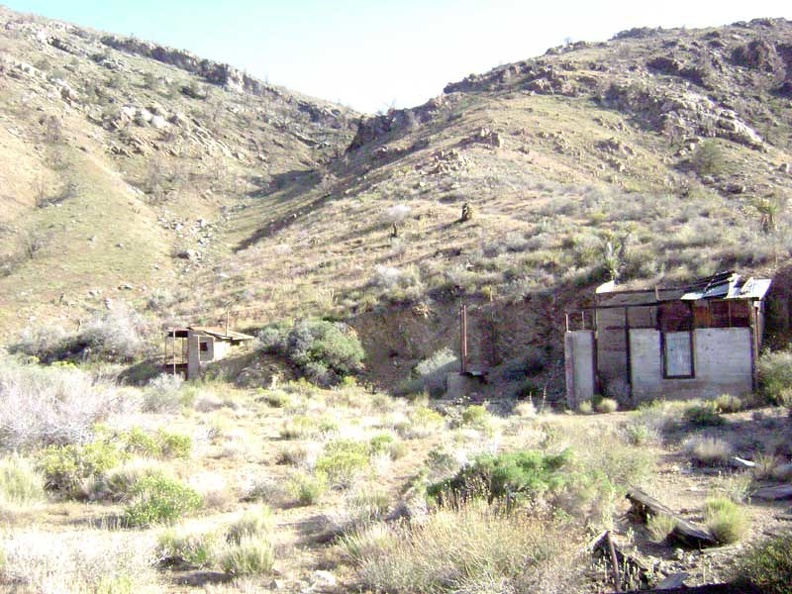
[(471, 549), (708, 451)]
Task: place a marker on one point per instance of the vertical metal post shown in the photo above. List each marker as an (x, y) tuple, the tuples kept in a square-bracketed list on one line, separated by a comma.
[(173, 348), (463, 347)]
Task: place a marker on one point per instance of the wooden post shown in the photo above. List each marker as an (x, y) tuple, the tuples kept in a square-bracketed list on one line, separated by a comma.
[(463, 347), (614, 562)]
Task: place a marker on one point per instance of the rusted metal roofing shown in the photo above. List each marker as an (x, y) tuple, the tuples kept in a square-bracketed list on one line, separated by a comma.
[(221, 333), (723, 285)]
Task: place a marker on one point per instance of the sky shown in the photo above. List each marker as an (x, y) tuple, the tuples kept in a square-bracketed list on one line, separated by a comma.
[(375, 54)]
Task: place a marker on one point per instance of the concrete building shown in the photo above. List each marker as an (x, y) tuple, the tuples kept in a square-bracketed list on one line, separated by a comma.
[(697, 341), (187, 349)]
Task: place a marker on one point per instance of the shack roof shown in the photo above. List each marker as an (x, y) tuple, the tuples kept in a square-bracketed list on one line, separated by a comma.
[(723, 285), (221, 333)]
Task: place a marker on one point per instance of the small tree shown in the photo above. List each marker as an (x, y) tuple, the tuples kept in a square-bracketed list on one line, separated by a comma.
[(708, 158)]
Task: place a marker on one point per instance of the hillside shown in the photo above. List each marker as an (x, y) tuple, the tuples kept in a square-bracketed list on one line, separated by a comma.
[(190, 190), (122, 161)]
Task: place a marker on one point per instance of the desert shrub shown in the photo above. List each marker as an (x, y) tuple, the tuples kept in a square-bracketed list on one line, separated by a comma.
[(19, 482), (272, 338), (252, 556), (323, 352), (708, 451), (78, 561), (775, 376), (478, 417), (469, 549), (367, 505), (386, 444), (343, 461), (705, 414), (116, 483), (158, 499), (431, 372), (300, 454), (307, 488), (586, 407), (638, 433), (253, 523), (115, 335), (299, 427), (613, 463), (727, 403), (660, 527), (768, 565), (765, 466), (422, 422), (177, 547), (607, 405), (519, 474), (137, 441), (166, 394), (708, 158), (66, 469), (51, 405), (276, 398), (173, 445), (727, 521)]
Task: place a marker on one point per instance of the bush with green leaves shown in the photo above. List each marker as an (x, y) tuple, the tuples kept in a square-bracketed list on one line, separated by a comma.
[(323, 352), (19, 481), (516, 474), (254, 522), (727, 521), (162, 444), (252, 556), (705, 414), (67, 468), (159, 499), (768, 565), (307, 488), (178, 547), (477, 416), (342, 461), (708, 158), (775, 376)]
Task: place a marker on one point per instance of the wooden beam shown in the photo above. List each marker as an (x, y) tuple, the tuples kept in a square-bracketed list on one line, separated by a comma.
[(684, 532)]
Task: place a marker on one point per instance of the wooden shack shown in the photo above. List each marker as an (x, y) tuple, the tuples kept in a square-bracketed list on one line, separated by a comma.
[(696, 341), (187, 349)]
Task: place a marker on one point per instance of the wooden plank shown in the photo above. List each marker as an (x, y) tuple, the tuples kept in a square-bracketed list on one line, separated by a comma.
[(685, 532), (774, 493), (707, 589), (675, 580)]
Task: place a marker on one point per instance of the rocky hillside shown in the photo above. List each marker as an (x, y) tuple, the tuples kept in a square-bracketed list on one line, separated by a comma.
[(190, 190), (123, 161)]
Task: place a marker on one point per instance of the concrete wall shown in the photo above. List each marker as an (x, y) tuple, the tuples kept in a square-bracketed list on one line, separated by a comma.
[(579, 366), (221, 349), (722, 363)]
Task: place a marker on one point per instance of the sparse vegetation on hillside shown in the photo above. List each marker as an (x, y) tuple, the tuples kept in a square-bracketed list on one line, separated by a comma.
[(206, 197)]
